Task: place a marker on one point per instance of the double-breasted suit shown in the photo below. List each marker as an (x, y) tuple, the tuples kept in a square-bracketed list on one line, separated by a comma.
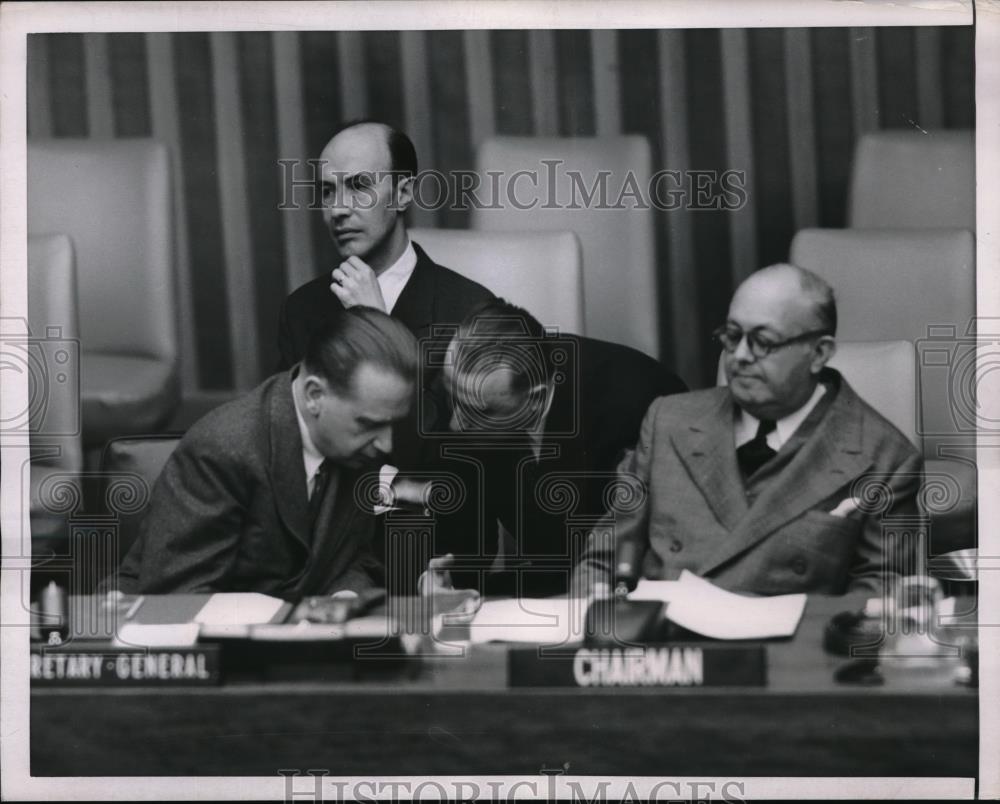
[(775, 532)]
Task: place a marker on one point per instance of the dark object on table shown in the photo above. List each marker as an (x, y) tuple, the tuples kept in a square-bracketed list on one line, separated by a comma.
[(613, 622), (863, 672), (332, 610), (849, 630)]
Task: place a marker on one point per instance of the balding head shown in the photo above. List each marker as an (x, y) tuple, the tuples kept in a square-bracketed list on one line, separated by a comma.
[(792, 293), (394, 149), (793, 311), (367, 179)]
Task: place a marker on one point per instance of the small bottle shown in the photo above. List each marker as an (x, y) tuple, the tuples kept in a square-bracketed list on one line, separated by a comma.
[(917, 652), (54, 624)]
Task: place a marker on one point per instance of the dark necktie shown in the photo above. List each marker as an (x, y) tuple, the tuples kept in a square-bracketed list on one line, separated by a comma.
[(320, 483), (755, 453)]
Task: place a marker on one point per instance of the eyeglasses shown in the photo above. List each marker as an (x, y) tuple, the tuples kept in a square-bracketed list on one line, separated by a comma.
[(759, 344)]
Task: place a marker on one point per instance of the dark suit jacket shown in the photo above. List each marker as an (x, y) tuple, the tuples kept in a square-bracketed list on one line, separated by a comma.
[(697, 515), (597, 408), (229, 512), (434, 295)]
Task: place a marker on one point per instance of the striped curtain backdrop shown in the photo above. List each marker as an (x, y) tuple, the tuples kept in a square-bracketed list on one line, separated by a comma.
[(785, 105)]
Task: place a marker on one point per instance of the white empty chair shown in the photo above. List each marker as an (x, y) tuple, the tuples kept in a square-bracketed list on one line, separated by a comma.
[(540, 271), (619, 250), (903, 179), (54, 381), (899, 284), (113, 198)]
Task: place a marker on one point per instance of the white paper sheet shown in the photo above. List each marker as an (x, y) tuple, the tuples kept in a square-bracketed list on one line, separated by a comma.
[(549, 621), (701, 606), (159, 635), (238, 608), (654, 590)]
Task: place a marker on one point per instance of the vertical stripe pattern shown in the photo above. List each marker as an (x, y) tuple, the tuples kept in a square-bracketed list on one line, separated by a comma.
[(417, 118), (479, 81), (927, 55), (129, 65), (864, 85), (801, 130), (353, 82), (291, 124), (685, 315), (230, 147), (607, 90), (784, 107), (544, 103), (98, 79), (739, 149), (40, 104), (164, 113)]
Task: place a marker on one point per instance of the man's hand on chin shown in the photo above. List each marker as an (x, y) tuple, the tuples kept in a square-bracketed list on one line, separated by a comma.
[(355, 284)]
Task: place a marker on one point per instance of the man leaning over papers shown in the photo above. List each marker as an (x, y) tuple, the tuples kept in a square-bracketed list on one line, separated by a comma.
[(767, 486), (259, 495)]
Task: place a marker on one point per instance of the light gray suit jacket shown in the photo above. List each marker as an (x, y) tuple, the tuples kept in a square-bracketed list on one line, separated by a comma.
[(697, 516)]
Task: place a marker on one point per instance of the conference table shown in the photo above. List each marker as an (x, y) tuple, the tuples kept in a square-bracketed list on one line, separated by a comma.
[(447, 715)]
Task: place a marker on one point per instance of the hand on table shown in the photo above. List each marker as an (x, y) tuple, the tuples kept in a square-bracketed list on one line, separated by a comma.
[(437, 577)]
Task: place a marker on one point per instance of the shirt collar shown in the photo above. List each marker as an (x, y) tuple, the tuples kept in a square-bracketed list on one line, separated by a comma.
[(746, 424), (392, 280), (311, 456)]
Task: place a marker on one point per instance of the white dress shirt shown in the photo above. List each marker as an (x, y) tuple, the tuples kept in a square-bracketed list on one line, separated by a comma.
[(391, 282), (311, 456), (394, 278), (746, 425)]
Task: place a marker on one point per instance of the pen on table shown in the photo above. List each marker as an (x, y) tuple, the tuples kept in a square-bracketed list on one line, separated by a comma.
[(134, 607)]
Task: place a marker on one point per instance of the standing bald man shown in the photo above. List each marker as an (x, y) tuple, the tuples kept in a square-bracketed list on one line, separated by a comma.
[(368, 172), (756, 485)]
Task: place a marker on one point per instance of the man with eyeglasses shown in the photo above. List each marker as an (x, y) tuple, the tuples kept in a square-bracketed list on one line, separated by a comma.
[(760, 486)]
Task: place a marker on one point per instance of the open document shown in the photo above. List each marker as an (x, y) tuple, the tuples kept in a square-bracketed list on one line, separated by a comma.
[(692, 602), (543, 621), (701, 606), (161, 620)]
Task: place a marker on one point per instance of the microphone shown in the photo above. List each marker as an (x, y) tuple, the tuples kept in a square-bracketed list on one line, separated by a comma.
[(628, 566)]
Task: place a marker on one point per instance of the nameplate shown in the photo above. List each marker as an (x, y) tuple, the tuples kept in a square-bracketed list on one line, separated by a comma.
[(312, 653), (124, 667), (676, 665)]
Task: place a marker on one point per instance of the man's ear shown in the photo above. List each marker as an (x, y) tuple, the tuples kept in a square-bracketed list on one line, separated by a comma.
[(314, 388), (823, 352), (404, 193), (543, 394)]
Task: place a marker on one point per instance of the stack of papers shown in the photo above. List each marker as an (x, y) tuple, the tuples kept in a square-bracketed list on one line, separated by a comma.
[(231, 613), (692, 603), (701, 606), (156, 635), (543, 621), (178, 620)]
